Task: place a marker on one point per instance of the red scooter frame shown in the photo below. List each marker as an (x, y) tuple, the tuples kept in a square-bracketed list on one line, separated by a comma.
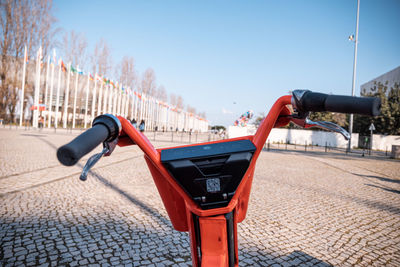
[(212, 239), (210, 218)]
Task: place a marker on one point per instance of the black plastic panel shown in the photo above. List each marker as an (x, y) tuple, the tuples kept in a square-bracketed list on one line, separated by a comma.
[(211, 173), (206, 150)]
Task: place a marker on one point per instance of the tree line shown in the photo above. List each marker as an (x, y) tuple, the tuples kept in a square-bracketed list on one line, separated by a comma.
[(31, 23)]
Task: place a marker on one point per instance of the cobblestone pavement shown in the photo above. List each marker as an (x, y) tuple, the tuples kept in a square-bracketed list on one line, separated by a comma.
[(306, 209)]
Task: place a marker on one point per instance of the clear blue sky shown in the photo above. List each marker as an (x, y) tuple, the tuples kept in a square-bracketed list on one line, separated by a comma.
[(217, 53)]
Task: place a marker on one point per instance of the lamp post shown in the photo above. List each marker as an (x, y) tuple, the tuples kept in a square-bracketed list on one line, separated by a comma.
[(355, 40)]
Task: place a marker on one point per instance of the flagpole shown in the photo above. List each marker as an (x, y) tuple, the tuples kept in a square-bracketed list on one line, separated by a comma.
[(110, 96), (58, 96), (145, 109), (116, 101), (51, 87), (119, 102), (178, 119), (100, 93), (149, 113), (37, 89), (148, 120), (140, 110), (87, 100), (354, 75), (115, 94), (106, 97), (108, 105), (126, 111), (167, 119), (142, 106), (23, 87), (136, 105), (94, 96), (75, 96), (106, 100), (157, 112), (131, 100), (119, 105), (47, 88), (122, 101), (66, 98), (152, 113)]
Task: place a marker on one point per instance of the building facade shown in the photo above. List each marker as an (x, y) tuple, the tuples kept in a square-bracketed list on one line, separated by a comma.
[(388, 79)]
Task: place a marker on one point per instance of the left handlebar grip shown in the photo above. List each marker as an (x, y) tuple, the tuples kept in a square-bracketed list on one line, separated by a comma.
[(105, 128)]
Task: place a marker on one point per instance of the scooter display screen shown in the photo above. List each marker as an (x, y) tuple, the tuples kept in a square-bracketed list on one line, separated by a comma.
[(211, 173)]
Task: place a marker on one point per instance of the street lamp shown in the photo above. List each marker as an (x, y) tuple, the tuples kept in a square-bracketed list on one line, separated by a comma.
[(355, 40)]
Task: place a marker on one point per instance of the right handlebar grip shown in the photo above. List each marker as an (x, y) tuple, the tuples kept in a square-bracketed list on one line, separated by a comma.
[(105, 128), (310, 101)]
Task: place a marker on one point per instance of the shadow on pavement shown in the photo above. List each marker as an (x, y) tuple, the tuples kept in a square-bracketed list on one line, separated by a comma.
[(34, 135), (375, 204), (382, 179), (384, 188), (96, 238), (147, 209), (256, 255)]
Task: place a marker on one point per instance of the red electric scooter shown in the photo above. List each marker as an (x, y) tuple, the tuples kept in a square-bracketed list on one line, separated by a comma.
[(205, 187)]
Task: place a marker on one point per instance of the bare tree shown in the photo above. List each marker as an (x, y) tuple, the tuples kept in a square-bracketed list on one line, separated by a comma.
[(148, 84), (101, 59), (75, 52), (203, 115), (126, 72), (179, 102), (190, 109), (22, 22), (172, 99), (75, 48), (161, 94)]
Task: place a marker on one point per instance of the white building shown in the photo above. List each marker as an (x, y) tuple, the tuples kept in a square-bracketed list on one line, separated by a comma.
[(388, 79)]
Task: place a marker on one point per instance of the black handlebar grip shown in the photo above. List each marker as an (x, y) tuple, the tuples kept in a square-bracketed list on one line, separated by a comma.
[(308, 101), (370, 106), (72, 152), (105, 128)]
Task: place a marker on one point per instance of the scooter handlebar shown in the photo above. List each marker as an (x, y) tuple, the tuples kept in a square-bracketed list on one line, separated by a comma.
[(105, 128), (305, 101)]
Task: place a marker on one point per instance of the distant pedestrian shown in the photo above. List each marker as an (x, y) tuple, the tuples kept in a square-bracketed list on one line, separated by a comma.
[(142, 126), (41, 122), (134, 123)]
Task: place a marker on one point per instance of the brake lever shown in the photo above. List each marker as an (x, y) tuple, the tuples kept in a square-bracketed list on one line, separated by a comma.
[(108, 148), (325, 125)]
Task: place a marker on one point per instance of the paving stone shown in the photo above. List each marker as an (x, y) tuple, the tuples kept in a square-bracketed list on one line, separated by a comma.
[(305, 209), (83, 262)]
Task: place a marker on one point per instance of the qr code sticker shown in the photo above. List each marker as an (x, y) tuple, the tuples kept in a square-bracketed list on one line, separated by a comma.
[(213, 185)]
